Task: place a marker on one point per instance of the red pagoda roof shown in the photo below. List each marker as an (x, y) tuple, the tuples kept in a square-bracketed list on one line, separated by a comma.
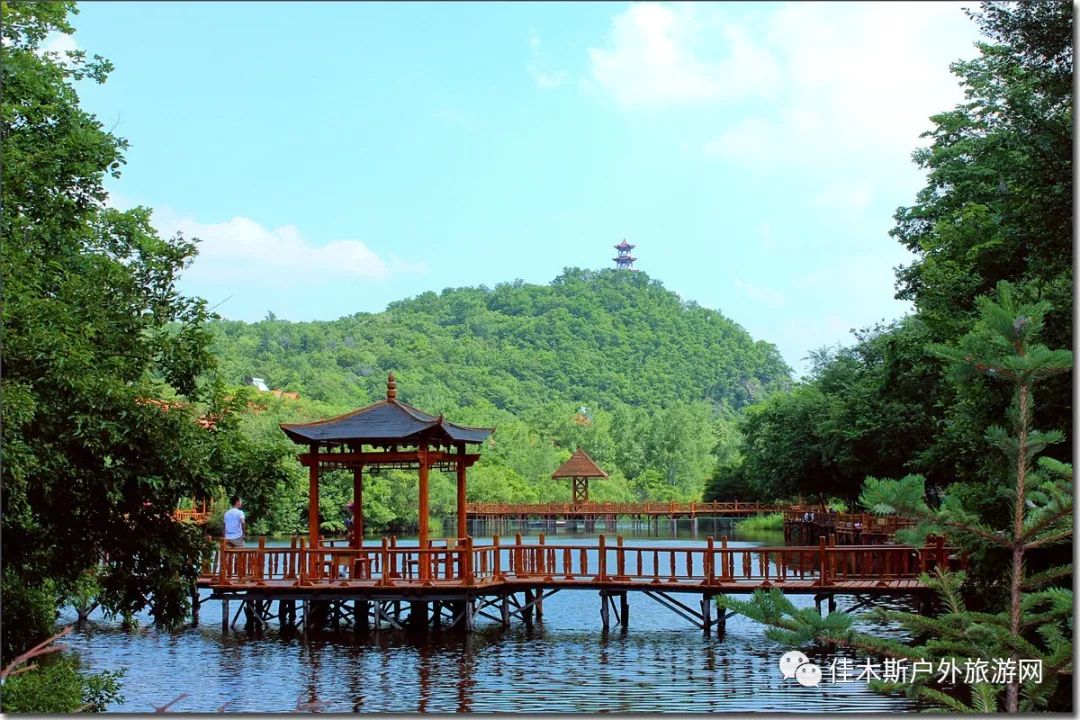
[(625, 246)]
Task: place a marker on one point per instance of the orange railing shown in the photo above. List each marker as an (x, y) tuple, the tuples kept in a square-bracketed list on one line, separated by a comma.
[(611, 508), (197, 513), (462, 563)]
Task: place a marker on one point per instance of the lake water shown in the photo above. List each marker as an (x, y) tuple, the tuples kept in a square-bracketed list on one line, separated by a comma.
[(661, 663)]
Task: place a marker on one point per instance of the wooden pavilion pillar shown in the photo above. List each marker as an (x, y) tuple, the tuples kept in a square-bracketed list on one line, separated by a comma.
[(313, 498), (358, 507), (423, 453), (461, 524), (581, 490)]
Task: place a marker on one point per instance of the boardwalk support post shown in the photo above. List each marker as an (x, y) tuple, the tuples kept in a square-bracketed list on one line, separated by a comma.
[(470, 614), (527, 609), (624, 609), (706, 613), (604, 618)]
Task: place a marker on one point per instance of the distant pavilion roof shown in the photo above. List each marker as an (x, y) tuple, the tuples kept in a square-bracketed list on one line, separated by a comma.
[(579, 465), (387, 422)]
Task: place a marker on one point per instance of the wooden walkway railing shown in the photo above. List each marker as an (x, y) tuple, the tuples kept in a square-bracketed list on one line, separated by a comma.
[(597, 509), (464, 564), (816, 521), (199, 513)]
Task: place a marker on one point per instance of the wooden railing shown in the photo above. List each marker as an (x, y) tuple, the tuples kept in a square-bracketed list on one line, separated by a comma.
[(462, 563), (610, 508), (198, 513), (840, 522)]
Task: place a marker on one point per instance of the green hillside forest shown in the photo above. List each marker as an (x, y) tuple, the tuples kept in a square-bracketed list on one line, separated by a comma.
[(609, 360)]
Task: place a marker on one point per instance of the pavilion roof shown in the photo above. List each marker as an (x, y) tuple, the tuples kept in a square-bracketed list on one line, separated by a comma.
[(387, 422), (579, 465)]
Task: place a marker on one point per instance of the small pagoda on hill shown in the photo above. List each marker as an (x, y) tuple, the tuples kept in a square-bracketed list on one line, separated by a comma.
[(386, 434), (624, 260), (580, 467)]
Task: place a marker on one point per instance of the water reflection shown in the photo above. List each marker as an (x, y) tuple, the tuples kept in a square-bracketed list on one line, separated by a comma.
[(661, 663)]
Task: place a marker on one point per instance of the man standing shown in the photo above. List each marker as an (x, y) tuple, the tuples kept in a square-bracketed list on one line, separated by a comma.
[(235, 524)]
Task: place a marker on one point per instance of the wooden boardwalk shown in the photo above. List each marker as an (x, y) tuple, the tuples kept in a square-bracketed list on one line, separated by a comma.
[(604, 510), (400, 586)]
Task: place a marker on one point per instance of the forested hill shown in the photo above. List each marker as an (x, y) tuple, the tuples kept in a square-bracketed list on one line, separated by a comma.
[(600, 338)]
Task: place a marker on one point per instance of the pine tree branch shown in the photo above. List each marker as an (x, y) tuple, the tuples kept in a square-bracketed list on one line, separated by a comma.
[(1045, 522), (1049, 539)]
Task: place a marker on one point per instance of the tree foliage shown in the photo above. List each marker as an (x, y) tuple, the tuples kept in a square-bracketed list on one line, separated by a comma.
[(95, 334), (1033, 618)]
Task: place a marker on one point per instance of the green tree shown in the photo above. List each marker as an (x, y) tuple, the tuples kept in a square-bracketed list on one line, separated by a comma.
[(1034, 620), (997, 206), (94, 334)]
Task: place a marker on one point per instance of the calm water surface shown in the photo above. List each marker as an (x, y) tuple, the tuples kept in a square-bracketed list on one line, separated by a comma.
[(660, 664)]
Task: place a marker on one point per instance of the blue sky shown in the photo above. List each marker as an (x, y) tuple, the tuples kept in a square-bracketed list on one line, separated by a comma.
[(334, 157)]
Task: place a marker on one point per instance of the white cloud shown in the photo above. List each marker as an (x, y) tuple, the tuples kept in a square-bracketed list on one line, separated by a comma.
[(653, 59), (834, 77), (59, 42), (766, 296), (241, 254), (861, 78)]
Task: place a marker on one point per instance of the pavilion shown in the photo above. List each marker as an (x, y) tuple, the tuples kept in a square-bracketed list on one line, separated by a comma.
[(386, 434), (580, 467)]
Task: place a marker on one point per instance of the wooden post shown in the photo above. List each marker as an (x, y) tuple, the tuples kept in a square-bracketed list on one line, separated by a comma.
[(423, 508), (710, 559), (496, 571), (518, 556), (462, 529), (384, 557), (260, 574), (467, 562), (706, 613), (313, 497), (602, 576), (527, 609), (624, 608), (604, 619), (358, 507), (302, 562), (223, 578), (470, 614), (823, 561)]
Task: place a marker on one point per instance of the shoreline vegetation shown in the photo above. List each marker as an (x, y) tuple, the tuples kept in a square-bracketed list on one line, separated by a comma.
[(121, 396), (772, 522)]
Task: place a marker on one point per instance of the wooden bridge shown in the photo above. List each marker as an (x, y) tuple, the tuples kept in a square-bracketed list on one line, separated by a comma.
[(500, 514), (607, 509), (458, 583)]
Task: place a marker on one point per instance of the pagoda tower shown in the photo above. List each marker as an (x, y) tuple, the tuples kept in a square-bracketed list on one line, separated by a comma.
[(625, 261)]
